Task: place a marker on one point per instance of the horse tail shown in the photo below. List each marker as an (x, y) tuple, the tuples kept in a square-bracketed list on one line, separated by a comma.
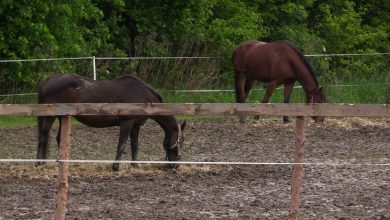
[(236, 60), (239, 53), (40, 87), (304, 59)]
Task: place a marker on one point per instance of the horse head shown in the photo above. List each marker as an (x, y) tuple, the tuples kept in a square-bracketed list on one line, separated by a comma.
[(317, 97), (174, 146)]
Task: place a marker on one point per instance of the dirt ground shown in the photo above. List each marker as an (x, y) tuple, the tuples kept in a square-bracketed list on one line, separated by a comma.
[(348, 189)]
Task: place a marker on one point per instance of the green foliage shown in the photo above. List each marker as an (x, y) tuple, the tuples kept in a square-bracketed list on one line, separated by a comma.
[(340, 24), (174, 20), (233, 23), (42, 29)]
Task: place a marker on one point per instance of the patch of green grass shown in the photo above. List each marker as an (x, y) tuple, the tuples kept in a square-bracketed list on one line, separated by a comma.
[(16, 121), (372, 90), (23, 121), (366, 92), (198, 97)]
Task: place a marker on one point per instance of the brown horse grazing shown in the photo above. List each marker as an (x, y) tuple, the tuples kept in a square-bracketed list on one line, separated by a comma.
[(277, 63), (125, 89)]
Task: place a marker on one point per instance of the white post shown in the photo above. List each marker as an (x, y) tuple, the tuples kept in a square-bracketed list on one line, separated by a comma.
[(94, 67)]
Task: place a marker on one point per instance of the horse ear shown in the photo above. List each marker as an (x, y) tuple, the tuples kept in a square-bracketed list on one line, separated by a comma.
[(321, 89), (183, 124)]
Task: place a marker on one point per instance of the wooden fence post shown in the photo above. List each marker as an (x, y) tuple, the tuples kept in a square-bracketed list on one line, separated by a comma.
[(296, 181), (63, 185)]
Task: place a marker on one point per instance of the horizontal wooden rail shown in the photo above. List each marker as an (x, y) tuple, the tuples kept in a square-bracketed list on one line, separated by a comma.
[(337, 110)]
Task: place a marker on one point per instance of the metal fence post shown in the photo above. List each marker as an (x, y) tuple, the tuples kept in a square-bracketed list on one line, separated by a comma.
[(94, 67)]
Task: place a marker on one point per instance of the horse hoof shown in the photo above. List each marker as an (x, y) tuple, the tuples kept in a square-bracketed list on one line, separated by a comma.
[(135, 165), (256, 118), (115, 167), (172, 165), (38, 164)]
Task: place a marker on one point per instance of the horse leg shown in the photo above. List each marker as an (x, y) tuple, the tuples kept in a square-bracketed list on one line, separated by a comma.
[(240, 79), (288, 86), (59, 133), (268, 92), (134, 143), (240, 84), (248, 86), (44, 126), (124, 132)]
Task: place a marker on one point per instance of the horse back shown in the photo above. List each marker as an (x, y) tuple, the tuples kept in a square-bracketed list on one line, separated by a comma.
[(61, 88), (270, 61), (240, 51), (72, 88)]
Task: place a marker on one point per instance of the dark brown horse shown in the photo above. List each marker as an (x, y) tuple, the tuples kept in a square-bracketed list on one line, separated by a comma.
[(73, 88), (276, 63)]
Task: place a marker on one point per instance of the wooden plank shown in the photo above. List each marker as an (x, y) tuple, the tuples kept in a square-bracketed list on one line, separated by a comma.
[(336, 110), (296, 182), (63, 184)]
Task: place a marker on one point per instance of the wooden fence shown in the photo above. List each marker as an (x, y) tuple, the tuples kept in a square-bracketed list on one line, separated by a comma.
[(337, 110), (66, 110)]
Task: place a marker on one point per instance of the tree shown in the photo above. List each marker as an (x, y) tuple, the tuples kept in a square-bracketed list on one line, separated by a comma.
[(40, 29)]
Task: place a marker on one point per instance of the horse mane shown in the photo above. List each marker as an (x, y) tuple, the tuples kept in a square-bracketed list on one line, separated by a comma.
[(126, 76), (304, 59)]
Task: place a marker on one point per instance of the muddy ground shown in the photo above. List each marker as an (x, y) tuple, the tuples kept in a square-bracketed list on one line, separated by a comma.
[(335, 191)]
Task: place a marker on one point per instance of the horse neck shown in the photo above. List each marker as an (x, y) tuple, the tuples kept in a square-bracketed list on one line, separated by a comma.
[(309, 84), (305, 76), (169, 125), (304, 72)]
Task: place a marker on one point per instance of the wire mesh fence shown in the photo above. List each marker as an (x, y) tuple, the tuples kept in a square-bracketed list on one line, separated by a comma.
[(355, 78)]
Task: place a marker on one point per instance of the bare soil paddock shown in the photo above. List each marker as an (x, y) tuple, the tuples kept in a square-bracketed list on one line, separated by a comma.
[(212, 191)]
